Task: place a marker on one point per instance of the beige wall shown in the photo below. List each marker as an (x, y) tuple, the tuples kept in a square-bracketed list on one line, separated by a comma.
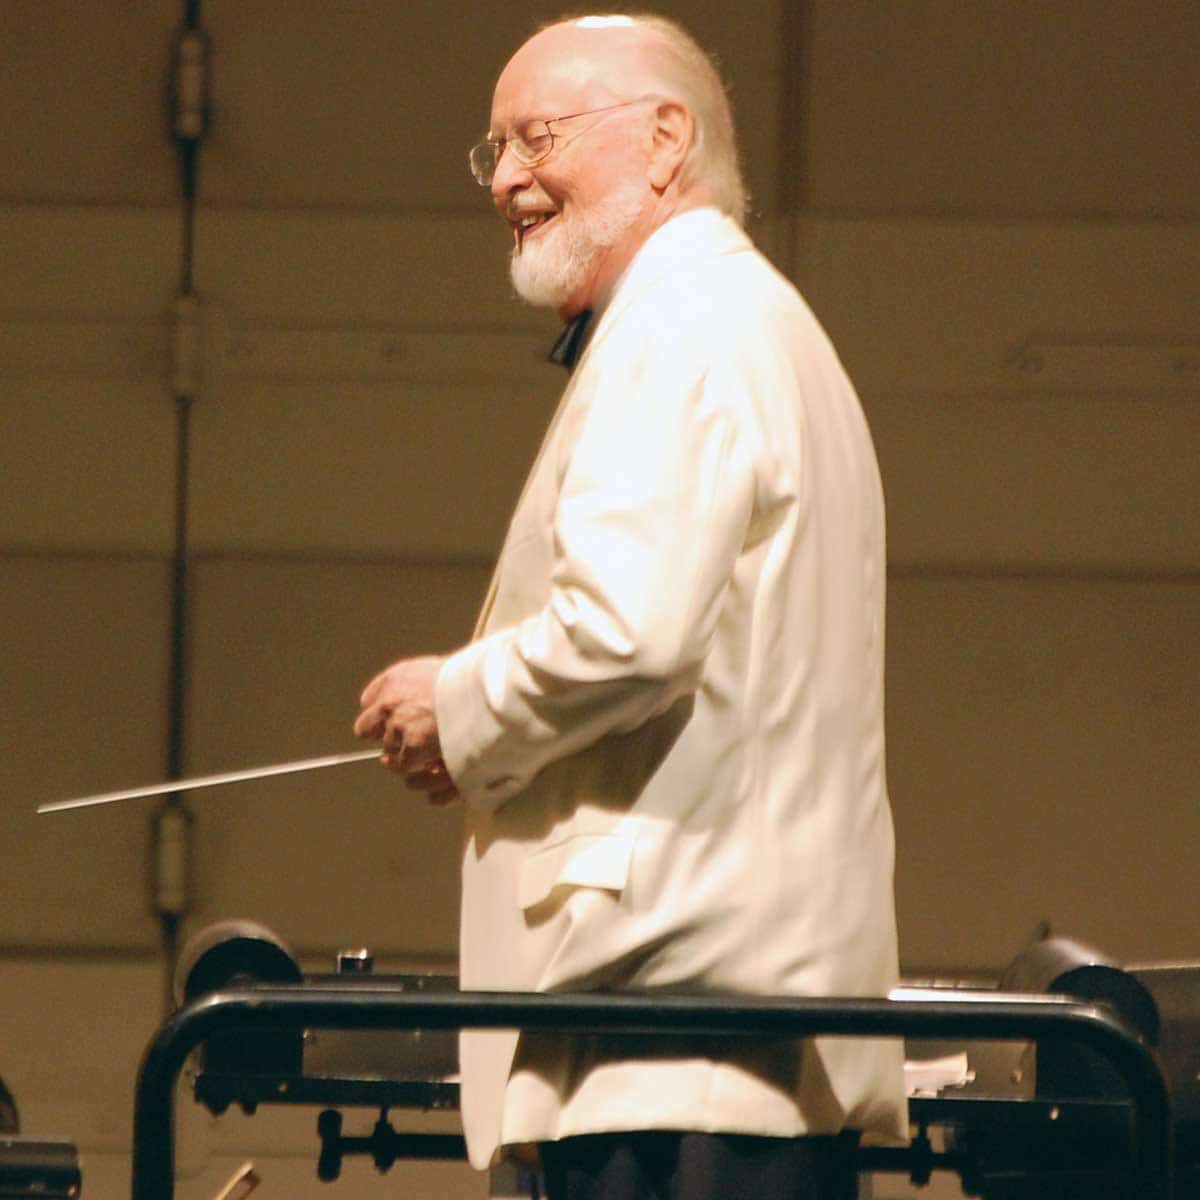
[(993, 207)]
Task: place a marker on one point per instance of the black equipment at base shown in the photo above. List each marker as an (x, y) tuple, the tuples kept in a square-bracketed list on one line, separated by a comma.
[(47, 1170), (385, 1145)]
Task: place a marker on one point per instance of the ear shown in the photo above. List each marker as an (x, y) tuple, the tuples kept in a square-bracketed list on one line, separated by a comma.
[(671, 135)]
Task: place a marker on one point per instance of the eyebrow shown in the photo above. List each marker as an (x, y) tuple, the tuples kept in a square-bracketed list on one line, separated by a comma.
[(495, 137)]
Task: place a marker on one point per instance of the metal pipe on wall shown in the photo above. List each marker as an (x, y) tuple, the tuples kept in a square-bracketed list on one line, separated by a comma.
[(172, 822)]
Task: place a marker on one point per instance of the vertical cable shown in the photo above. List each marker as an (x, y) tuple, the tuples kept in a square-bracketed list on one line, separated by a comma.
[(189, 104)]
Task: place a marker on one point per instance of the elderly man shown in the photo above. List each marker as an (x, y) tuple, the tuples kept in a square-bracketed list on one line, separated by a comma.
[(668, 730)]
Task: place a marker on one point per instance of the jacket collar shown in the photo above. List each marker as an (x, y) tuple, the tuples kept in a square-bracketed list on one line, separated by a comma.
[(696, 234)]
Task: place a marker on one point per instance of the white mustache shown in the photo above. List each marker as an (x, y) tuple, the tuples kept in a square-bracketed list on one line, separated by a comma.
[(514, 212)]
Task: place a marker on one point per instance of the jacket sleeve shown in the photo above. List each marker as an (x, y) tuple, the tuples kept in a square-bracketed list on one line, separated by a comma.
[(652, 513)]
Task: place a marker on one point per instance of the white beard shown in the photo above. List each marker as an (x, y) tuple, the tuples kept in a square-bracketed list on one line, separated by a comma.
[(553, 267)]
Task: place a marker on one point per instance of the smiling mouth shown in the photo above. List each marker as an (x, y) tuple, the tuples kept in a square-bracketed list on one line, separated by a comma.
[(529, 225)]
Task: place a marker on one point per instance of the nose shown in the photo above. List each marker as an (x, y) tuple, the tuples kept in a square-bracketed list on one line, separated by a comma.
[(509, 176)]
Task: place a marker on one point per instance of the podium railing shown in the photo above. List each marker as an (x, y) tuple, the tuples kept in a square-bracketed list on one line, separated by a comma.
[(953, 1014)]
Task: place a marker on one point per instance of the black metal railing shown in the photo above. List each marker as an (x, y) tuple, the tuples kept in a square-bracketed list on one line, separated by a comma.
[(954, 1015)]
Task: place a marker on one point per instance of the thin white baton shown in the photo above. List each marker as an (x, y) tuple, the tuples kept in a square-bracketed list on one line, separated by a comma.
[(203, 781)]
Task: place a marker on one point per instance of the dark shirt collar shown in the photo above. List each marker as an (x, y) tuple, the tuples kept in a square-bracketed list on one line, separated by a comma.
[(570, 342)]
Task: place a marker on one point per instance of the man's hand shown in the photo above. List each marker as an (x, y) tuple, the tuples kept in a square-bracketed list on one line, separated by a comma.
[(398, 710)]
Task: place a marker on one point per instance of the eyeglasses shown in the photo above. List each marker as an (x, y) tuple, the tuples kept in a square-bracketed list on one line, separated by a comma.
[(530, 143)]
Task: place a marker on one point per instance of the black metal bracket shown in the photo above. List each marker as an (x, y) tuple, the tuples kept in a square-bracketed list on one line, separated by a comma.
[(385, 1146)]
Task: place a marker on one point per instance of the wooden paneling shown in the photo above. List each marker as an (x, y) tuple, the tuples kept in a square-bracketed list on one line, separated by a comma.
[(949, 305), (1068, 482), (84, 97), (414, 471), (1001, 109), (87, 464), (1043, 764), (1033, 388), (82, 673), (88, 263)]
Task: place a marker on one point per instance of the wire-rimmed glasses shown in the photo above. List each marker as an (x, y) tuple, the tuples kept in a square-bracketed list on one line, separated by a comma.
[(530, 143)]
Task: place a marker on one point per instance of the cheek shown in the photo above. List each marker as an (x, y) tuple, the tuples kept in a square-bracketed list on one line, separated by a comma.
[(576, 197), (555, 184)]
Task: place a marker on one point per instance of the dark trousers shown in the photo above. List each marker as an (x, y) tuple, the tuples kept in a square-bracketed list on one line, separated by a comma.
[(660, 1165)]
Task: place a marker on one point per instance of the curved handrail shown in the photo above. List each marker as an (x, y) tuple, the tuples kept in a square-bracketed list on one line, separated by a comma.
[(906, 1013)]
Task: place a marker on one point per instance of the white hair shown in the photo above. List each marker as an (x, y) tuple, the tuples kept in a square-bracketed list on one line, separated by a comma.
[(681, 69)]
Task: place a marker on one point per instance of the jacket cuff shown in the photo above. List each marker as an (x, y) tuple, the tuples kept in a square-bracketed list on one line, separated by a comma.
[(467, 727)]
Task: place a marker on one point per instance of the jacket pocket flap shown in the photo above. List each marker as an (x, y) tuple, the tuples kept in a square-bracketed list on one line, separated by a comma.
[(588, 860)]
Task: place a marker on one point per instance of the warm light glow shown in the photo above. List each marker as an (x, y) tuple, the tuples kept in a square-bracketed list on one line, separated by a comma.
[(604, 22)]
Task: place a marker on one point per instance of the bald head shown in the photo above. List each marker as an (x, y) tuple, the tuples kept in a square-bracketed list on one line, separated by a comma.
[(605, 57)]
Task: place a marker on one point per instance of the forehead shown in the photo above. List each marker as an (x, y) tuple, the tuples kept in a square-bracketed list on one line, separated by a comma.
[(560, 71)]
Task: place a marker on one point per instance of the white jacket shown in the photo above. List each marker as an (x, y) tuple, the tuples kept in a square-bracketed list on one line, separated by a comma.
[(670, 734)]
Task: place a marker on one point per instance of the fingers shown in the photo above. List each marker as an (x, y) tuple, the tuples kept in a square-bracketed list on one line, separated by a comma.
[(420, 772), (374, 711), (432, 778), (394, 740), (371, 691), (398, 710), (367, 724)]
